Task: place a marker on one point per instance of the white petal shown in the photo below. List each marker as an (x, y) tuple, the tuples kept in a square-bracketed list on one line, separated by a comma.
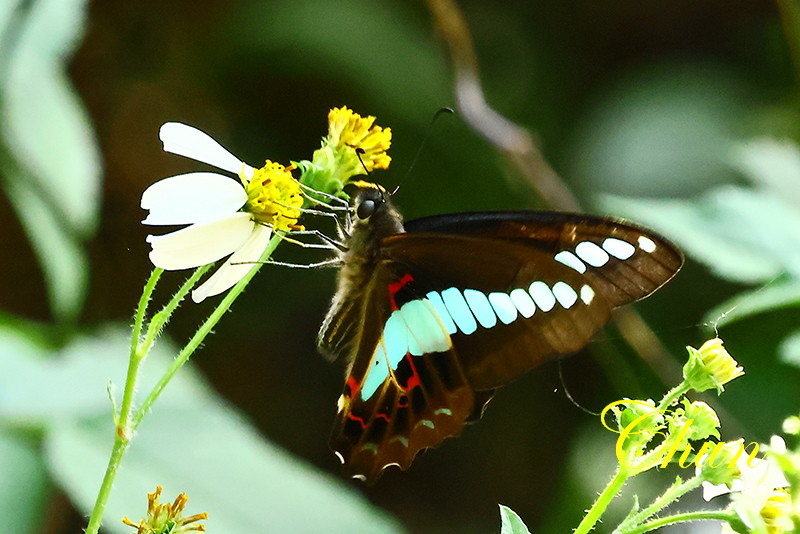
[(200, 243), (236, 266), (191, 198), (188, 141), (714, 490)]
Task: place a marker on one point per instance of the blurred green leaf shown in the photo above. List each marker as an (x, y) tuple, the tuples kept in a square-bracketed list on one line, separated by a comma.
[(61, 254), (191, 442), (744, 235), (32, 388), (51, 162), (776, 295), (662, 130), (389, 53), (511, 523), (25, 487), (789, 349), (772, 164), (210, 453)]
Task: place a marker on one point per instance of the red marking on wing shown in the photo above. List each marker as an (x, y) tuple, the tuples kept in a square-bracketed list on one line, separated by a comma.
[(354, 386), (360, 420), (394, 287), (413, 381)]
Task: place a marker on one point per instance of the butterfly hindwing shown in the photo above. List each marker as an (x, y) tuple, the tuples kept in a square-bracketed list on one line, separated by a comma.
[(394, 404)]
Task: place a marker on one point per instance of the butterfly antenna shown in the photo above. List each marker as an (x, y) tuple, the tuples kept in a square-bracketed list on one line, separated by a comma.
[(568, 394), (439, 113), (360, 151)]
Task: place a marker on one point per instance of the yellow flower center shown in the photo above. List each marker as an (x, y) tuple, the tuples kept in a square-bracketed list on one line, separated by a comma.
[(347, 129), (273, 196)]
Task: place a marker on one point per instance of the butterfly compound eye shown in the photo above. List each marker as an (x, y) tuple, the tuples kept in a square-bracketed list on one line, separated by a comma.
[(366, 208)]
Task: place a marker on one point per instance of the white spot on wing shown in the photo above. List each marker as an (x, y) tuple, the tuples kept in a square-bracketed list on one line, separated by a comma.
[(646, 244), (570, 260), (622, 250), (542, 295), (587, 294), (339, 456), (565, 295), (591, 253)]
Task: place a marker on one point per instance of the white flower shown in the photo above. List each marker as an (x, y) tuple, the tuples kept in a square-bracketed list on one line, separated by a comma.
[(764, 476), (226, 217)]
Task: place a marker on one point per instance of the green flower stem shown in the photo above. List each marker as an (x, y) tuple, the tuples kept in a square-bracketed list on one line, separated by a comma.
[(720, 515), (205, 329), (599, 507), (138, 351), (673, 395), (160, 319), (672, 494), (147, 292)]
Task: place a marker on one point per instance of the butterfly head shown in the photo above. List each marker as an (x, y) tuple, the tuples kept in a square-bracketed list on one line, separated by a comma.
[(374, 212)]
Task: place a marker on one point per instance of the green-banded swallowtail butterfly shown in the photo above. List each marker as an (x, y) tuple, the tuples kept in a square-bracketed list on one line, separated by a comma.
[(433, 315)]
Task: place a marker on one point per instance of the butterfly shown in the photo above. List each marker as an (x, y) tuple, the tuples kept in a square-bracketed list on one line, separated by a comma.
[(433, 315)]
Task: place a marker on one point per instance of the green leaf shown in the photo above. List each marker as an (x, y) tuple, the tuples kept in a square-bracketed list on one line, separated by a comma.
[(50, 159), (23, 495), (32, 385), (45, 124), (789, 349), (773, 296), (209, 452), (511, 522), (740, 234), (191, 442), (61, 254)]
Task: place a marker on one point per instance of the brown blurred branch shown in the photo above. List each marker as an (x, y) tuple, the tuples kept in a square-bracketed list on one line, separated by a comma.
[(517, 145)]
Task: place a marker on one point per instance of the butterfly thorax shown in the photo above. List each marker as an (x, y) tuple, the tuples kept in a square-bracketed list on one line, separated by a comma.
[(375, 219)]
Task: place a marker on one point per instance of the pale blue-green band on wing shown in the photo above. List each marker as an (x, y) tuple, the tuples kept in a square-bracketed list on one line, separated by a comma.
[(459, 310), (503, 307), (564, 294), (441, 310), (480, 307), (570, 260), (542, 295), (522, 301), (426, 329), (395, 338), (378, 372)]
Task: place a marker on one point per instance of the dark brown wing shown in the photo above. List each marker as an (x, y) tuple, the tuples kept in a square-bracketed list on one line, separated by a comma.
[(388, 412), (545, 257)]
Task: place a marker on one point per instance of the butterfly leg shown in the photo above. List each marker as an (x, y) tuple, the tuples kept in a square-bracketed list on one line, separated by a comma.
[(336, 262), (327, 242)]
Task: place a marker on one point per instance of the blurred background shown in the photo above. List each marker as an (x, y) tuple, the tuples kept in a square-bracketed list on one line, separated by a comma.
[(680, 115)]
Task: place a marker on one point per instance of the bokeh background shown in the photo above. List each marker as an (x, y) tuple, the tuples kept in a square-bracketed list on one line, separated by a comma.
[(681, 115)]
